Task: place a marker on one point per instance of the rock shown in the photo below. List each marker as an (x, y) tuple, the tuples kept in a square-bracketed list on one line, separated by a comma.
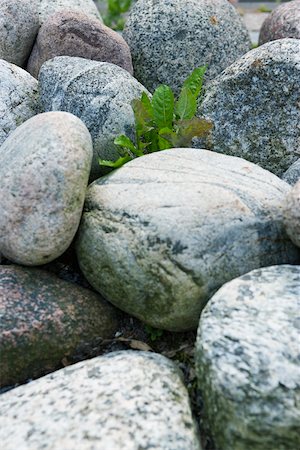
[(169, 38), (292, 175), (292, 214), (283, 22), (19, 24), (46, 8), (122, 401), (247, 361), (44, 170), (254, 105), (18, 98), (100, 94), (160, 235), (76, 34), (45, 321)]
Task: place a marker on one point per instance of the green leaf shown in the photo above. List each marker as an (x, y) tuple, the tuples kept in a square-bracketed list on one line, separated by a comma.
[(186, 105), (188, 129), (195, 81), (163, 106), (115, 164), (125, 142), (169, 135), (147, 104)]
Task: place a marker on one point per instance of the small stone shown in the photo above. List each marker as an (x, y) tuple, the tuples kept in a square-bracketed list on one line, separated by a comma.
[(283, 22), (44, 169), (292, 175), (46, 8), (292, 214), (247, 361)]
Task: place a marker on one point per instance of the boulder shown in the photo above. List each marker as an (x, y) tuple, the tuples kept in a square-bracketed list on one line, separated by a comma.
[(160, 235), (247, 361), (170, 38), (283, 22), (292, 175), (44, 169), (99, 93), (122, 401), (292, 214), (46, 8), (254, 106)]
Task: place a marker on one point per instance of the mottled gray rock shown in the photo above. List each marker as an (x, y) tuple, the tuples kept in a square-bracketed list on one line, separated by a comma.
[(292, 175), (44, 170), (292, 214), (99, 93), (18, 98), (254, 105), (169, 38), (160, 235), (46, 8), (44, 320), (121, 401), (283, 22), (19, 24), (247, 361)]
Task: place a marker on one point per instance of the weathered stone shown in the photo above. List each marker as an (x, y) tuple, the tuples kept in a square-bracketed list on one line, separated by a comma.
[(18, 98), (247, 361), (292, 175), (46, 8), (76, 34), (254, 106), (160, 235), (44, 320), (169, 38), (122, 401), (99, 93), (292, 214), (283, 22), (44, 170)]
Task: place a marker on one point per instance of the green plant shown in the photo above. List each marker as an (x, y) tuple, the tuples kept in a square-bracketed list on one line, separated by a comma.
[(115, 13), (264, 9), (164, 122), (153, 333)]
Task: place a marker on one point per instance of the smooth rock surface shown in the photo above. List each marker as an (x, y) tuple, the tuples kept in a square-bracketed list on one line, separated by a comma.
[(254, 105), (292, 175), (121, 401), (44, 170), (44, 320), (283, 22), (46, 8), (247, 361), (18, 98), (76, 34), (169, 38), (292, 214), (99, 93), (160, 235)]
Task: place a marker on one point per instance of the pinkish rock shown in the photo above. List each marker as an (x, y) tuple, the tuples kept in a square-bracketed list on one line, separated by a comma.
[(283, 22)]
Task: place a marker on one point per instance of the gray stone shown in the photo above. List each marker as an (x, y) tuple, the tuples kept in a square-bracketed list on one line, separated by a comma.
[(121, 401), (283, 22), (45, 320), (46, 8), (169, 38), (19, 24), (292, 214), (254, 106), (247, 361), (44, 169), (18, 98), (99, 93), (292, 175), (160, 235)]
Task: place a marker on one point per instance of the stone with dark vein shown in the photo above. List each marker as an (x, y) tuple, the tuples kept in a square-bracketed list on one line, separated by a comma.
[(291, 206), (283, 22)]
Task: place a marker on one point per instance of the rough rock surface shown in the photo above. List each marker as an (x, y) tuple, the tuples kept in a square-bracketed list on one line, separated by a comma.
[(283, 22), (44, 170), (292, 175), (18, 98), (160, 235), (45, 319), (169, 38), (121, 401), (76, 34), (100, 94), (247, 361), (292, 214), (254, 105), (46, 8)]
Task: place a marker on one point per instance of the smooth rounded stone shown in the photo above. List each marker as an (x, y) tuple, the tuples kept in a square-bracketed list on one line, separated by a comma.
[(19, 24), (169, 38), (44, 170), (46, 8), (160, 235), (99, 93), (254, 106), (122, 401), (292, 214), (44, 320), (18, 98), (292, 175), (76, 34), (247, 361), (283, 22)]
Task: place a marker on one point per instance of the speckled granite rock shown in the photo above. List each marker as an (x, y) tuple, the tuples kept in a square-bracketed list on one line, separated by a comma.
[(254, 105), (283, 22), (45, 319), (169, 38), (44, 170), (100, 94), (247, 361), (46, 8), (292, 214), (19, 24), (292, 175), (122, 401), (76, 34), (159, 236), (18, 98)]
